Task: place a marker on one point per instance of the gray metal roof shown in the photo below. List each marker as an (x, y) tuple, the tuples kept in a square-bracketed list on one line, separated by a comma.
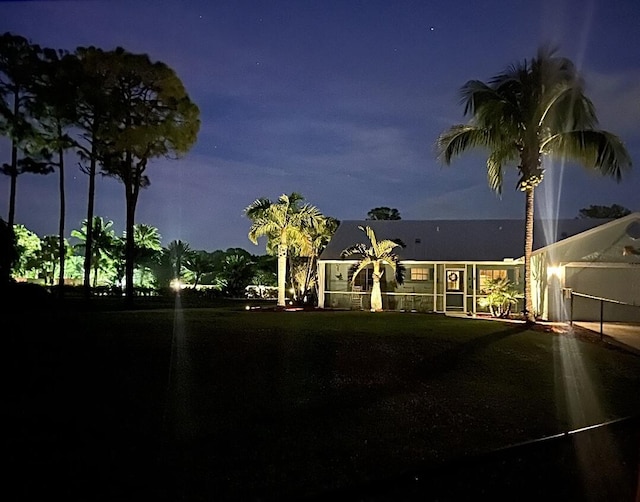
[(456, 240)]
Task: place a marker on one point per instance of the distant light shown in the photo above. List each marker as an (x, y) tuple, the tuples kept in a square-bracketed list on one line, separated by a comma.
[(177, 285), (248, 307)]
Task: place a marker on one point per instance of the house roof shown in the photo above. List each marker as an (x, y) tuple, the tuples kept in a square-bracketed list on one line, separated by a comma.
[(456, 240), (607, 242)]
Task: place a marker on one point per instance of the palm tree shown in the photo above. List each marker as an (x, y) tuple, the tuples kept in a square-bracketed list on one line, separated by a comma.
[(532, 109), (238, 272), (199, 263), (103, 239), (147, 248), (303, 259), (380, 253), (178, 251), (283, 222)]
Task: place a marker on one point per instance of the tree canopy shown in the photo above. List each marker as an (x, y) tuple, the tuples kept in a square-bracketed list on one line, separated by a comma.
[(612, 211), (383, 213)]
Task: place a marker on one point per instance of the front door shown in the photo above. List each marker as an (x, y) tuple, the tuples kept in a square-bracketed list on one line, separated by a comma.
[(455, 285)]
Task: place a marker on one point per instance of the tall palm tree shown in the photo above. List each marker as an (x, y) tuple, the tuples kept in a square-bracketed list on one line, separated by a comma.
[(283, 222), (378, 254), (534, 108)]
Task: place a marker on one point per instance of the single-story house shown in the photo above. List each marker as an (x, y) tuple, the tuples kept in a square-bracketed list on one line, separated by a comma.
[(449, 262)]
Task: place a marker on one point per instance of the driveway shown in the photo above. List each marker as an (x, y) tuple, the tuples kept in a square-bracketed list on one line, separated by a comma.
[(627, 334)]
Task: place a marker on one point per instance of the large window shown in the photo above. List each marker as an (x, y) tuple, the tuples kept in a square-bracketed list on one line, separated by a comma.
[(488, 275), (420, 274)]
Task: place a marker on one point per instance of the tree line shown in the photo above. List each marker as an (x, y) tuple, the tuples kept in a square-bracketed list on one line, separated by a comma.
[(157, 268), (115, 110)]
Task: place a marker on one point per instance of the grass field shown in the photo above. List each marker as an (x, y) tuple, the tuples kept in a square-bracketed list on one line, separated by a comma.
[(227, 404)]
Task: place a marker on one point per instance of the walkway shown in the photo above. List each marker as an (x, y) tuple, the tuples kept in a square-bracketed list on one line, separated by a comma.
[(627, 334)]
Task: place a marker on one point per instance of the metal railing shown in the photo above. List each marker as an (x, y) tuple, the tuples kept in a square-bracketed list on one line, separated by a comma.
[(601, 303)]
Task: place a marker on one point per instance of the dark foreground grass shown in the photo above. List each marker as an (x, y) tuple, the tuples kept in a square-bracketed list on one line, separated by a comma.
[(223, 404)]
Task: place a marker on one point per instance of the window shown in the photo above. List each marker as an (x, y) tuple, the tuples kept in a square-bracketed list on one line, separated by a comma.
[(364, 280), (454, 280), (420, 274), (489, 275)]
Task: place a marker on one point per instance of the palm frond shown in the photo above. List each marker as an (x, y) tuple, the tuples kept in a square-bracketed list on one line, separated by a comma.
[(566, 108), (500, 156), (257, 207), (356, 268), (459, 139), (260, 227), (474, 95), (600, 150), (356, 249), (372, 238)]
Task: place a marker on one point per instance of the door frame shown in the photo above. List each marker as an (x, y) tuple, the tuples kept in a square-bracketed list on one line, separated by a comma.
[(462, 292)]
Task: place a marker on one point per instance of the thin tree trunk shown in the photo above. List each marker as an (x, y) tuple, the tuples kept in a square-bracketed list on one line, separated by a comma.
[(61, 248), (528, 250), (132, 186), (89, 237), (14, 167)]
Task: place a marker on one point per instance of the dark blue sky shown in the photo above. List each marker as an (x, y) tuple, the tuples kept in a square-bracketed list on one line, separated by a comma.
[(341, 101)]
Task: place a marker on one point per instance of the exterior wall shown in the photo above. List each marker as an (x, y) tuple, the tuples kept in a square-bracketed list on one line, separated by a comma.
[(426, 291), (617, 282), (595, 263)]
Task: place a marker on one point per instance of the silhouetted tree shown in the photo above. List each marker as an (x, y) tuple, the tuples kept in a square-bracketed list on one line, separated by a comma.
[(20, 62), (155, 118), (383, 213), (94, 70), (55, 111), (612, 211)]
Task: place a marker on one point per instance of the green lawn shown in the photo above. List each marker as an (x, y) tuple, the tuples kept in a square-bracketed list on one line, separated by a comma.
[(227, 404)]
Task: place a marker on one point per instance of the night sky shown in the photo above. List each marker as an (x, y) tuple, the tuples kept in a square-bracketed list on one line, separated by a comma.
[(341, 101)]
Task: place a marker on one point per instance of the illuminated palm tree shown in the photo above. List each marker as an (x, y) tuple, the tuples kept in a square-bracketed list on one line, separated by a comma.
[(303, 259), (284, 223), (147, 248), (532, 109), (379, 254), (103, 243)]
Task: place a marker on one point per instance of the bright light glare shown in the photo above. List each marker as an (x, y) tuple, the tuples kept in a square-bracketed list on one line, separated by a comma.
[(177, 285), (554, 271)]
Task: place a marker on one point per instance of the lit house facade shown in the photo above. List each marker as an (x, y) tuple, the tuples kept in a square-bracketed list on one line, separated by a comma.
[(450, 262)]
